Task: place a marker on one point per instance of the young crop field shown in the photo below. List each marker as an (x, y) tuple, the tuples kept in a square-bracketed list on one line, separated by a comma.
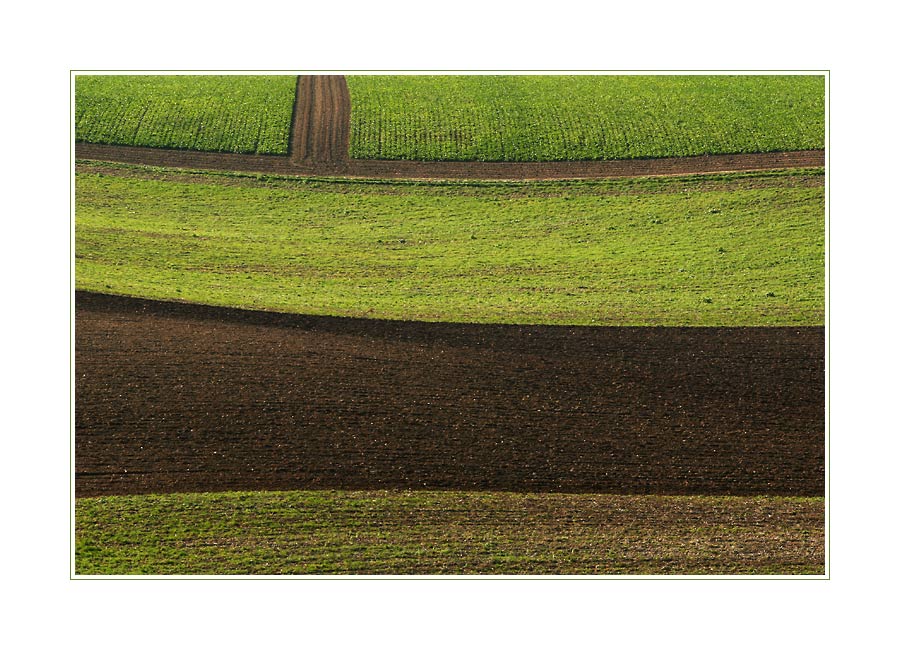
[(392, 533), (589, 117), (242, 114), (741, 249), (510, 118)]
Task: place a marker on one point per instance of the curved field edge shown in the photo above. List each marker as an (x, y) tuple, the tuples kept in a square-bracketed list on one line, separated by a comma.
[(412, 170), (583, 117), (734, 249), (218, 113), (430, 533)]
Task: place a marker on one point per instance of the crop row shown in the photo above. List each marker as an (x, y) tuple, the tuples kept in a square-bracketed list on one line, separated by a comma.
[(532, 118), (324, 532), (243, 114)]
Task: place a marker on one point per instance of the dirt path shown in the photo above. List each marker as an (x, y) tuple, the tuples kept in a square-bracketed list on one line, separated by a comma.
[(172, 397), (320, 140), (451, 170), (321, 127), (584, 169)]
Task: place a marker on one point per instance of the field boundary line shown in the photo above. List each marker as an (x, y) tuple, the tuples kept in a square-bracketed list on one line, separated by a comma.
[(411, 169)]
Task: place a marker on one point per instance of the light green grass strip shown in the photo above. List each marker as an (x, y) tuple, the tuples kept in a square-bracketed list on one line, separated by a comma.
[(427, 533), (585, 117), (235, 113), (742, 250)]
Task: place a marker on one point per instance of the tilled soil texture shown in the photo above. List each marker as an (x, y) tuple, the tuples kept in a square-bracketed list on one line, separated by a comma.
[(321, 127), (175, 397)]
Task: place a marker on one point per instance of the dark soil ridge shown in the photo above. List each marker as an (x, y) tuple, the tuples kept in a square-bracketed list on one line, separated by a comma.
[(175, 397), (320, 141), (410, 169)]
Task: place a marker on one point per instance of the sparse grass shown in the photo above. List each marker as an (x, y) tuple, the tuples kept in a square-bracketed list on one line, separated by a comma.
[(584, 117), (429, 533), (738, 249)]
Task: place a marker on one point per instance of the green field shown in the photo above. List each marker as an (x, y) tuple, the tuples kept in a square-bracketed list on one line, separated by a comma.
[(731, 250), (588, 117), (429, 533), (467, 117), (243, 114)]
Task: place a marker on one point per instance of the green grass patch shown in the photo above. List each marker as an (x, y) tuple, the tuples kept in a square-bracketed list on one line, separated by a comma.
[(427, 533), (234, 113), (585, 117), (738, 249)]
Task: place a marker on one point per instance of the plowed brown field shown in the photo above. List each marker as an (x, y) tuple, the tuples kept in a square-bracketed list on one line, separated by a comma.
[(175, 397)]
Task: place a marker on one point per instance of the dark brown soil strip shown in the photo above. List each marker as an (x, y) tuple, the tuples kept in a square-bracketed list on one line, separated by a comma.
[(451, 170), (173, 397), (585, 169)]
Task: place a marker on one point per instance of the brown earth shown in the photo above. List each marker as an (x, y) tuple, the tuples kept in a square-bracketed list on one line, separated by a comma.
[(175, 397), (321, 126), (320, 140), (451, 170), (585, 169)]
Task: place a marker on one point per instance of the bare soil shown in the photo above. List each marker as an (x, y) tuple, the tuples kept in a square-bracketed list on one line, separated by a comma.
[(176, 397), (321, 127), (398, 169)]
